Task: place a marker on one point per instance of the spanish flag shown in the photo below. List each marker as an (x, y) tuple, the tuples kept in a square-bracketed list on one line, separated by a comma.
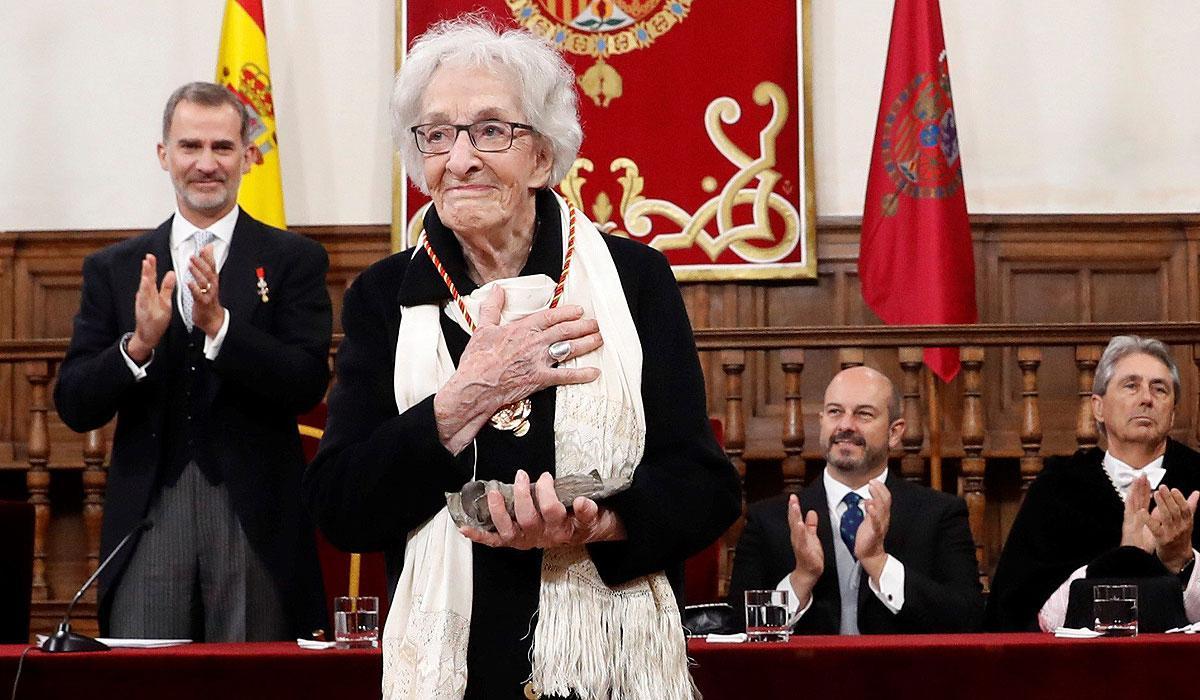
[(243, 68)]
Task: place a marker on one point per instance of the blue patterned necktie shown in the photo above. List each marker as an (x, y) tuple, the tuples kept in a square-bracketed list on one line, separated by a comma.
[(199, 240), (851, 519)]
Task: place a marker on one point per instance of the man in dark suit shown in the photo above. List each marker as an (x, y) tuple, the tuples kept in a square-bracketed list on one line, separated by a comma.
[(902, 559), (1123, 512), (205, 338)]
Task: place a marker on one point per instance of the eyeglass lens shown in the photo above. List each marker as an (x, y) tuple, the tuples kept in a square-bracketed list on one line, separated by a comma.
[(484, 135)]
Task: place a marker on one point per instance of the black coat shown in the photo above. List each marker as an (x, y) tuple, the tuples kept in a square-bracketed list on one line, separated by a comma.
[(928, 533), (380, 473), (272, 367), (1071, 516)]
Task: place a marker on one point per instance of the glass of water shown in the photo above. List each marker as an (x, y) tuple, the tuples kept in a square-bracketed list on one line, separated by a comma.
[(1115, 610), (356, 622), (767, 616)]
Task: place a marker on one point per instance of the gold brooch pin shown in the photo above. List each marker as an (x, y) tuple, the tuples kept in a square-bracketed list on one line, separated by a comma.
[(514, 417)]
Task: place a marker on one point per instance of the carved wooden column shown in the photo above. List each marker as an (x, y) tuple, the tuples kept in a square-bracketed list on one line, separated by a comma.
[(733, 364), (1029, 358), (970, 480), (1086, 359), (851, 357), (911, 465), (94, 479), (37, 479), (792, 360)]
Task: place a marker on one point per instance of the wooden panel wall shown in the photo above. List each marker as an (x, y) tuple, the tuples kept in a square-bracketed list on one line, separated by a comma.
[(1042, 268), (1049, 268), (1030, 269)]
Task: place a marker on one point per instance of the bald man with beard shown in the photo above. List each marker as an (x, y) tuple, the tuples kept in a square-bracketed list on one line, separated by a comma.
[(861, 550)]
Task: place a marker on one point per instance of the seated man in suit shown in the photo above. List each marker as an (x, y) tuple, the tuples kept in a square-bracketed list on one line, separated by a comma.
[(902, 559), (1090, 510)]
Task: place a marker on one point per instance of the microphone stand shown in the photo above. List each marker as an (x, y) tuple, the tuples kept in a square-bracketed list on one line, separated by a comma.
[(64, 640)]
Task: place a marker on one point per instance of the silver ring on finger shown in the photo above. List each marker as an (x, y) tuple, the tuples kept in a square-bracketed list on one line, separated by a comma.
[(559, 351), (205, 288)]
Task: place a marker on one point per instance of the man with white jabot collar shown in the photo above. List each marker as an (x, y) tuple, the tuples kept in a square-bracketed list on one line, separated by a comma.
[(1124, 511)]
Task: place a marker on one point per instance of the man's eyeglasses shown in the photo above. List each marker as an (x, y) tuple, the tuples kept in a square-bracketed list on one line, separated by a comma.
[(489, 136)]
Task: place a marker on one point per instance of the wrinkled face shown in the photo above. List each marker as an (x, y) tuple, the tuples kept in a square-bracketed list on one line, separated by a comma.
[(856, 430), (206, 158), (1138, 405), (472, 190)]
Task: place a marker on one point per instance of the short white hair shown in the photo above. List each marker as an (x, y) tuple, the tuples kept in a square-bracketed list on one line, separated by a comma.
[(541, 78)]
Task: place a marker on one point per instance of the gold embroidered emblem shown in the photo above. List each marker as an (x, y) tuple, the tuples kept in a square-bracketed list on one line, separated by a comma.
[(600, 29), (771, 232)]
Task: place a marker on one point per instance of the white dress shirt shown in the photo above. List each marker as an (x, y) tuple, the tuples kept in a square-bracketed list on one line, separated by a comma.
[(182, 249), (1054, 611), (890, 590)]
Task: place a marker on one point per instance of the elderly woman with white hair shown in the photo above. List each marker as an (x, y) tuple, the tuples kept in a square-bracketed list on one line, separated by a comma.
[(516, 343)]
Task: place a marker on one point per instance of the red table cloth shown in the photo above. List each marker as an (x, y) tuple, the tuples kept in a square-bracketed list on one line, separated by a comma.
[(974, 666)]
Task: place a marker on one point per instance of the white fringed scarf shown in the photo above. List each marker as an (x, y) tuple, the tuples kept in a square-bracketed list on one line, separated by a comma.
[(601, 643)]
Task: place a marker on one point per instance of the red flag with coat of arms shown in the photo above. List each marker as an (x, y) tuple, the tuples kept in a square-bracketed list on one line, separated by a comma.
[(916, 263)]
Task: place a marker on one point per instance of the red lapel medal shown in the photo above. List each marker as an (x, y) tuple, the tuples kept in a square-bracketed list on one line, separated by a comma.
[(263, 290)]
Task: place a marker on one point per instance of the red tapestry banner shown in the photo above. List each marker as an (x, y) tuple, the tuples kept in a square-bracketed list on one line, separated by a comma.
[(696, 126)]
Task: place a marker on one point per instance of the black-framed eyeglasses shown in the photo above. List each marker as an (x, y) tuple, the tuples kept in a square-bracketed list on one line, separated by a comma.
[(489, 136)]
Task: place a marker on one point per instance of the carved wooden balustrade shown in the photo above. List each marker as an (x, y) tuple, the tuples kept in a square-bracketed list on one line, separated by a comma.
[(984, 350), (965, 400)]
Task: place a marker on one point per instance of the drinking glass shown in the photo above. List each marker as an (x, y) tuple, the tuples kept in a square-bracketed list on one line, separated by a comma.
[(1115, 610), (767, 616), (356, 622)]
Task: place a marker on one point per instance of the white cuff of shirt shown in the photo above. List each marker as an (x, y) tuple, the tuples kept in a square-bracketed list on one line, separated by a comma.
[(139, 371), (212, 346), (793, 603), (1054, 610), (891, 585)]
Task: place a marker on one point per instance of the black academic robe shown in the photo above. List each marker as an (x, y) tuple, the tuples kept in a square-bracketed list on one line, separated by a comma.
[(928, 533), (1071, 516), (380, 473)]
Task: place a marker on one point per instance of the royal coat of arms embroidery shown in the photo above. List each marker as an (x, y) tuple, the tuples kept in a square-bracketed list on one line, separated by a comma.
[(699, 146), (919, 144), (600, 28)]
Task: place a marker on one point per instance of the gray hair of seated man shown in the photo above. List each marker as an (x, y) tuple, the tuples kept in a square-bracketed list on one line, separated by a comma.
[(541, 79), (1123, 346)]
